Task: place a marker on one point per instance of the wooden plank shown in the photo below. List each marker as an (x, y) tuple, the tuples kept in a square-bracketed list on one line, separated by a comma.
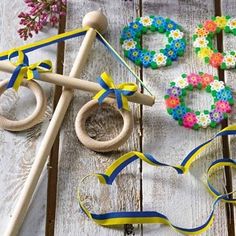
[(76, 161), (183, 199), (228, 7), (17, 150)]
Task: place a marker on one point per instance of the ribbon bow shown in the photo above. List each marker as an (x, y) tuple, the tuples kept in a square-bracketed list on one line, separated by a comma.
[(121, 91), (23, 69)]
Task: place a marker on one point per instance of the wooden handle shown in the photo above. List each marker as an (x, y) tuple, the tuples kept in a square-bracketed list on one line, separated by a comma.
[(49, 138), (80, 84)]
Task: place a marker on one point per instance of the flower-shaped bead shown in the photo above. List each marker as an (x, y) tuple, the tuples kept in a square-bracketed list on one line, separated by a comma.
[(205, 52), (201, 32), (217, 85), (210, 25), (128, 33), (129, 44), (136, 26), (224, 95), (170, 25), (160, 59), (200, 42), (181, 82), (176, 34), (178, 112), (146, 58), (216, 59), (134, 54), (203, 119), (178, 45), (223, 106), (232, 23), (216, 116), (189, 120), (221, 21), (170, 53), (207, 79), (172, 102), (229, 60), (159, 22), (193, 79), (146, 20), (174, 91)]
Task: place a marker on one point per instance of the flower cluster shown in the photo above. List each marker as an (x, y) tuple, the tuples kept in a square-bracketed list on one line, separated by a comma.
[(131, 35), (41, 12), (203, 37), (176, 106)]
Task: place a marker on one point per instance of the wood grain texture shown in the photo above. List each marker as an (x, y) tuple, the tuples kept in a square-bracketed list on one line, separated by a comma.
[(76, 161), (17, 150), (183, 199), (228, 7)]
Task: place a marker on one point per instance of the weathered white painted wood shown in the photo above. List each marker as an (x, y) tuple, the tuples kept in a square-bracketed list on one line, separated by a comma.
[(183, 199), (228, 7), (17, 150), (75, 160)]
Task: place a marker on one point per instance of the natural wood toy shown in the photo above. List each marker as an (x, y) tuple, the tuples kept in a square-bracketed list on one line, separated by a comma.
[(95, 22)]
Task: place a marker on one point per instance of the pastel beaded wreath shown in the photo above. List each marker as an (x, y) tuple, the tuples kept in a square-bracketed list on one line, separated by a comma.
[(203, 37), (176, 107), (131, 38)]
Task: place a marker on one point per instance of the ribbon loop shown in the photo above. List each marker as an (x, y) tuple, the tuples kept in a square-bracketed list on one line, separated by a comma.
[(121, 91), (24, 69)]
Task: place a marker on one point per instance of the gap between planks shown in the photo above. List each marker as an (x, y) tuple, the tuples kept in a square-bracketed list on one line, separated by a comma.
[(225, 141), (53, 160)]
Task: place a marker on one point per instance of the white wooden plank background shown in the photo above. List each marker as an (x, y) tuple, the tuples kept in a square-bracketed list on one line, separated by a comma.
[(183, 199)]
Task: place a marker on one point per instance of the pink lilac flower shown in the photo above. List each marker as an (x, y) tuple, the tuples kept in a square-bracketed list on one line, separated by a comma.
[(194, 79), (41, 12), (189, 120), (223, 106)]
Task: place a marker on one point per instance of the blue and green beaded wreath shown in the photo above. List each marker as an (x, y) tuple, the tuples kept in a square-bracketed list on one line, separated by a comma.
[(131, 38), (176, 107)]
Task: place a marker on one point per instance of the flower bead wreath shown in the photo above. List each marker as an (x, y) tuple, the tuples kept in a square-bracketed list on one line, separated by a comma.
[(131, 38), (222, 96), (202, 42)]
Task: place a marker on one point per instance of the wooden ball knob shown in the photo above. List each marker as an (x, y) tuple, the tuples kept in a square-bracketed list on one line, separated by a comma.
[(96, 20)]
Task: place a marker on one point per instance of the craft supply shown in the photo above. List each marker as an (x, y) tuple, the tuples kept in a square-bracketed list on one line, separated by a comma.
[(203, 42), (102, 146), (121, 92), (153, 217), (25, 197), (176, 105), (131, 41)]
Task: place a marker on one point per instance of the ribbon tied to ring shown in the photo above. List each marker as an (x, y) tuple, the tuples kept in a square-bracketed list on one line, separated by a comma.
[(24, 69), (121, 91)]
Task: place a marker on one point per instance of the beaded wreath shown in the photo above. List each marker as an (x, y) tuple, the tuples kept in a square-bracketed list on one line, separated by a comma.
[(131, 41), (203, 37), (176, 107)]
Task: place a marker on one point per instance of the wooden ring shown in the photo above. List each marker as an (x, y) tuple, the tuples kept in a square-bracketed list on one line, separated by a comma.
[(35, 117), (102, 146)]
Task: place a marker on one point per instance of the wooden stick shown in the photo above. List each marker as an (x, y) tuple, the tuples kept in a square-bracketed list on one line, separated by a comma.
[(99, 21), (84, 85)]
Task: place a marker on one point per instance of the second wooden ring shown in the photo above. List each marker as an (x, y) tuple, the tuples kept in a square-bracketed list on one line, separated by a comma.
[(102, 146)]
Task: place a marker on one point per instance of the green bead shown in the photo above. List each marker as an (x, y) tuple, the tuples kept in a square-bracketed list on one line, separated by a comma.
[(169, 111), (196, 126), (166, 97), (213, 124), (183, 75), (154, 65), (206, 112), (197, 113), (180, 122)]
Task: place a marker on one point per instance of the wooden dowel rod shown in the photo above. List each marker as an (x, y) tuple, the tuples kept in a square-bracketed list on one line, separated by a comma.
[(23, 203), (70, 82)]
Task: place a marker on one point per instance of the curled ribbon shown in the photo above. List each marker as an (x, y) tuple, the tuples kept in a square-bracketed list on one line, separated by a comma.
[(24, 69), (151, 217), (121, 91)]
